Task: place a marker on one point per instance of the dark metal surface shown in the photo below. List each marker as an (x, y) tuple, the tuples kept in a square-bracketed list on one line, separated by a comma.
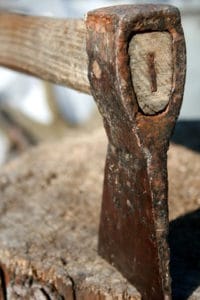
[(134, 219)]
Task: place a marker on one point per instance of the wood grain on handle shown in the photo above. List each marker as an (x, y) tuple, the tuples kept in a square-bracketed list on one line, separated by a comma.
[(55, 50), (152, 70), (51, 49)]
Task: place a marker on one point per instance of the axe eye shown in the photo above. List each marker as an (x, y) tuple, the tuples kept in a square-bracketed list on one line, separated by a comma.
[(151, 70)]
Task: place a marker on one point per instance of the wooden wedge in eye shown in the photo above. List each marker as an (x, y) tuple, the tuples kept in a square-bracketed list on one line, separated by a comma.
[(151, 69)]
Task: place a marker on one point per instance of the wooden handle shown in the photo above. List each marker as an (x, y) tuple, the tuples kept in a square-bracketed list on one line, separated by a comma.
[(51, 49), (151, 67), (55, 50)]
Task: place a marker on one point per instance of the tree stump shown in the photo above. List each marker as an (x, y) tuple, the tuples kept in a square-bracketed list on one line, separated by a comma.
[(49, 217)]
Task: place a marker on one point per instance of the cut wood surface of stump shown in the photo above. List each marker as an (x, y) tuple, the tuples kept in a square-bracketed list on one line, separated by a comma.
[(49, 238), (50, 206)]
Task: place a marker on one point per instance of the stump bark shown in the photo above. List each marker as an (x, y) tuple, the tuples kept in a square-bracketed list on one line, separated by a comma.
[(49, 217)]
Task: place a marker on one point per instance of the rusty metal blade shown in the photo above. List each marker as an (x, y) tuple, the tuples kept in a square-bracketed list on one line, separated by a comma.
[(134, 218)]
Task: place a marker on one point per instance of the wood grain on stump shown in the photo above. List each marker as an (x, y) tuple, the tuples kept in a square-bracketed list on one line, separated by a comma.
[(49, 216)]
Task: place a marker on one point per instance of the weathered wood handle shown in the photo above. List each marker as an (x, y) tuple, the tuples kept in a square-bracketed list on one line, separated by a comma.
[(51, 49), (55, 50)]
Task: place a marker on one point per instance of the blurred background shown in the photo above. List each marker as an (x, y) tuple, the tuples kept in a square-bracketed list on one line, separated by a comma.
[(32, 110)]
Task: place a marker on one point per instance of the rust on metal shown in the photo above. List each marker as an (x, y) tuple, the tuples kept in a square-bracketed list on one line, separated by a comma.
[(134, 218)]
